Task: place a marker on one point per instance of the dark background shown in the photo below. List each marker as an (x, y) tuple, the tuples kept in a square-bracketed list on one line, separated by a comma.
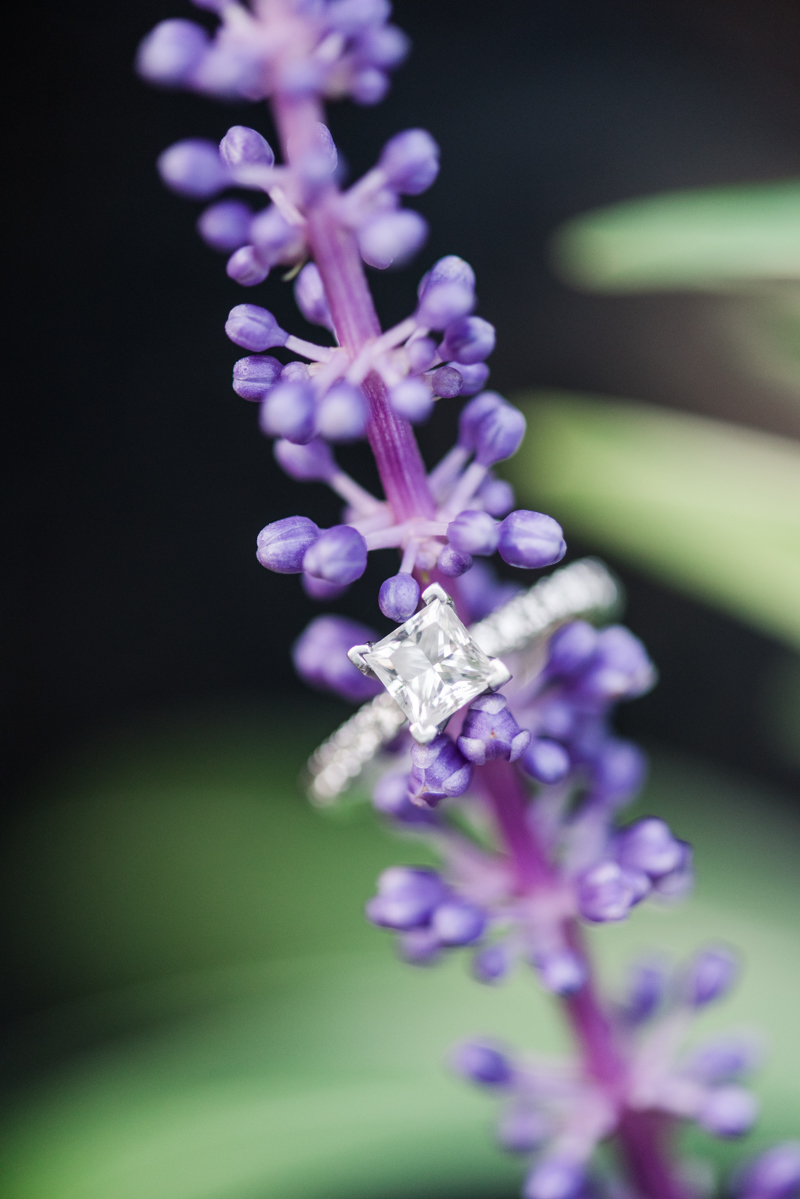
[(136, 480)]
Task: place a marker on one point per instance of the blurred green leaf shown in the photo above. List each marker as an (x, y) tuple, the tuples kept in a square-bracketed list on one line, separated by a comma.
[(316, 1072), (710, 508), (704, 240)]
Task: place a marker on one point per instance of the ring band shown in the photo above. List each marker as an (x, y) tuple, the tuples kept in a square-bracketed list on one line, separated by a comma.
[(584, 588)]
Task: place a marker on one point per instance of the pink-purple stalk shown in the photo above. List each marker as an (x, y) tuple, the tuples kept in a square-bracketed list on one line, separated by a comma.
[(561, 858)]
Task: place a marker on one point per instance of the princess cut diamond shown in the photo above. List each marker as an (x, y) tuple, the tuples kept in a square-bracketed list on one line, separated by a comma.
[(431, 666)]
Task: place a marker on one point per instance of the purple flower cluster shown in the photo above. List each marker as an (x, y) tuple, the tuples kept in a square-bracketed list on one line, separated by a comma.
[(292, 48), (520, 795), (555, 1115), (465, 525), (583, 774), (386, 235)]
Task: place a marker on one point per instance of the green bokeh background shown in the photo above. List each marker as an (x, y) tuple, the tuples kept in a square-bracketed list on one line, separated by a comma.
[(229, 1026)]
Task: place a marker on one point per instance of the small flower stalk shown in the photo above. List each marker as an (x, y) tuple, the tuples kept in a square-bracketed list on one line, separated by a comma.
[(513, 775)]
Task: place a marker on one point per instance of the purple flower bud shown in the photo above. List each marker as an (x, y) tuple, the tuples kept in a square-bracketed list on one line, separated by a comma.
[(483, 592), (711, 975), (646, 989), (561, 971), (318, 589), (679, 882), (352, 17), (546, 760), (522, 1129), (320, 657), (554, 1178), (618, 771), (621, 667), (446, 382), (244, 147), (245, 268), (492, 963), (649, 846), (499, 435), (288, 411), (470, 339), (472, 415), (274, 238), (309, 294), (482, 1062), (342, 413), (412, 399), (728, 1112), (384, 47), (453, 563), (606, 892), (392, 238), (531, 540), (420, 353), (369, 86), (557, 718), (406, 897), (225, 226), (442, 303), (497, 496), (490, 731), (722, 1060), (309, 463), (773, 1175), (410, 162), (439, 771), (473, 532), (255, 375), (391, 797), (473, 377), (229, 73), (254, 328), (399, 596), (295, 372), (457, 922), (450, 269), (419, 947), (193, 168), (282, 545), (571, 648), (169, 53), (339, 555)]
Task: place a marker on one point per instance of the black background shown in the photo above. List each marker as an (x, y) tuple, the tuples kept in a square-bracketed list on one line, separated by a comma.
[(136, 480)]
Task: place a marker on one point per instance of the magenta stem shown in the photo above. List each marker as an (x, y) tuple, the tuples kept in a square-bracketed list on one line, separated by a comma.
[(532, 871), (338, 260), (643, 1138), (402, 472), (641, 1135)]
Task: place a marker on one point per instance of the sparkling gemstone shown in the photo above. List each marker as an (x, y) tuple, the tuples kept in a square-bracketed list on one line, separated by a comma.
[(431, 667)]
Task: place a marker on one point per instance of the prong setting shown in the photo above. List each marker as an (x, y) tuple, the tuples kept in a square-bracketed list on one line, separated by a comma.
[(356, 656), (436, 592), (423, 734), (500, 674)]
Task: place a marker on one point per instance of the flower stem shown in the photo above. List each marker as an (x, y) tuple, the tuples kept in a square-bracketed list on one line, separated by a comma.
[(640, 1134), (336, 254), (532, 870)]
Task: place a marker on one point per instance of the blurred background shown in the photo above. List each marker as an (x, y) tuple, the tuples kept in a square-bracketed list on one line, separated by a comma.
[(193, 1006)]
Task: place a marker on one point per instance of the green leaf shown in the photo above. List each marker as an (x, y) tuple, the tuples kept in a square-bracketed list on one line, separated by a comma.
[(710, 508), (703, 240)]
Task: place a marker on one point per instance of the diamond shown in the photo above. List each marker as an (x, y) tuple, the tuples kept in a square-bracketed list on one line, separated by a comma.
[(431, 666)]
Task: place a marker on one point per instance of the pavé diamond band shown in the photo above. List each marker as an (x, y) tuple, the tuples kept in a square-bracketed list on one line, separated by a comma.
[(584, 588)]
